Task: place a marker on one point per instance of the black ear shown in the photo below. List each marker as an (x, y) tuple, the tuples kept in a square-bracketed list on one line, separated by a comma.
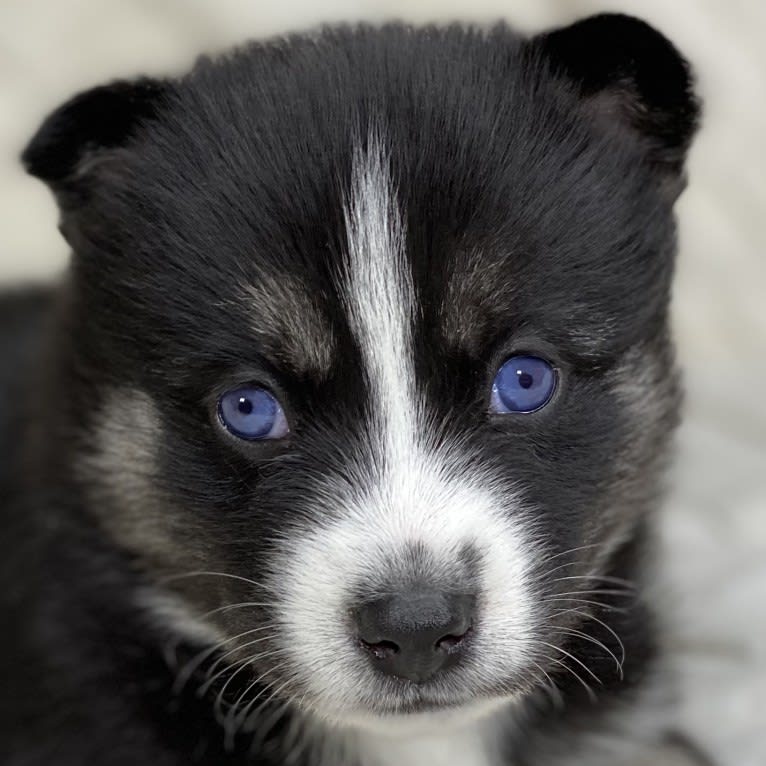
[(98, 119), (629, 73)]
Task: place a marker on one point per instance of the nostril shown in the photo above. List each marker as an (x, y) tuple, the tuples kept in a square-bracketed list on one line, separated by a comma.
[(452, 643), (381, 650)]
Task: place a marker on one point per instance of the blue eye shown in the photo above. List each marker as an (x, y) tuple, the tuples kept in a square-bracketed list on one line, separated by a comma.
[(252, 413), (523, 384)]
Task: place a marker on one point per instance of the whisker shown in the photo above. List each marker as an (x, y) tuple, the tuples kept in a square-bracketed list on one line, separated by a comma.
[(555, 692), (259, 728), (219, 700), (598, 578), (231, 716), (207, 573), (186, 672), (591, 602), (591, 694), (606, 627), (236, 649), (241, 718), (596, 642), (572, 657), (240, 605), (211, 679), (573, 550), (549, 572), (294, 742), (172, 647), (264, 727), (598, 591)]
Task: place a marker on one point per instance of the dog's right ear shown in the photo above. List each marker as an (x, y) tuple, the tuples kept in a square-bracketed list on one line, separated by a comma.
[(89, 125)]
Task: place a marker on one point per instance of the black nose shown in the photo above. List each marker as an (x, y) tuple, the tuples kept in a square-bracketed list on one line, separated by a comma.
[(415, 634)]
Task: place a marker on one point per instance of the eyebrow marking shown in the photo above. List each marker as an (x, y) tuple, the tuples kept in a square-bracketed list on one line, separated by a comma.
[(290, 325)]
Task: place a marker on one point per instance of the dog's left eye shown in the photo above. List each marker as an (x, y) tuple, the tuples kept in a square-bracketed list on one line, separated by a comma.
[(252, 413), (522, 384)]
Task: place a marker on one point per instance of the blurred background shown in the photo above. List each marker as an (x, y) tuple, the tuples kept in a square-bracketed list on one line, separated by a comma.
[(714, 528)]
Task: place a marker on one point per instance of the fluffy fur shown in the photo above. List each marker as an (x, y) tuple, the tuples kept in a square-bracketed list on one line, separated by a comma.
[(367, 222)]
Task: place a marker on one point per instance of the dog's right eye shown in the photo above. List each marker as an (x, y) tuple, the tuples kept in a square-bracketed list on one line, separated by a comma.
[(252, 413)]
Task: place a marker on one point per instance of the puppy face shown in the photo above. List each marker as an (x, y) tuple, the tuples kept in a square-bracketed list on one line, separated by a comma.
[(378, 380)]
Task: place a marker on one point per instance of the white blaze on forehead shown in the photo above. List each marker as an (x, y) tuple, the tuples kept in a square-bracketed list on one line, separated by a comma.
[(381, 297)]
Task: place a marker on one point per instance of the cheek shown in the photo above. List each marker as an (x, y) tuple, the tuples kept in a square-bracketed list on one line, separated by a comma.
[(121, 474), (156, 496), (566, 460), (646, 384), (572, 465)]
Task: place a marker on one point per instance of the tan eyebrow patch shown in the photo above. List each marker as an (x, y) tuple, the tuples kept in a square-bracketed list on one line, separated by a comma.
[(289, 324), (474, 291)]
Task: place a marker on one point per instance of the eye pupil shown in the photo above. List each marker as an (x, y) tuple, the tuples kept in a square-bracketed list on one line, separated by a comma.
[(525, 379), (245, 406)]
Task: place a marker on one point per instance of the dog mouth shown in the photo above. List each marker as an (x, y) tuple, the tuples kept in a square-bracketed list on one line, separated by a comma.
[(240, 689)]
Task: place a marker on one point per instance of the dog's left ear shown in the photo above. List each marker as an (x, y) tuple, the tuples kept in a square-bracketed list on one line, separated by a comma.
[(630, 74)]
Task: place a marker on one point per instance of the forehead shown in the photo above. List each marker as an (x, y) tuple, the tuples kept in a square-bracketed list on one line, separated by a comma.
[(517, 214)]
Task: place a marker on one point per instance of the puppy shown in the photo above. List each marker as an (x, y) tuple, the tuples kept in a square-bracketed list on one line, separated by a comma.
[(341, 439)]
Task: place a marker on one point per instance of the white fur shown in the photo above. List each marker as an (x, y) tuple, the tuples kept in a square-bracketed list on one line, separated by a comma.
[(403, 488), (441, 740)]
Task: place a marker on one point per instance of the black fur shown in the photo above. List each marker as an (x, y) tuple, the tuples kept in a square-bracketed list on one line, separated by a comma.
[(99, 119), (638, 73), (174, 194)]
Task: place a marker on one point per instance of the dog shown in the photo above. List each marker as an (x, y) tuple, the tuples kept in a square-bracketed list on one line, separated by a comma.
[(341, 440)]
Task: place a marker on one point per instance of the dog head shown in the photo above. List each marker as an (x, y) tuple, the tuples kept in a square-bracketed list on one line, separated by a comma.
[(370, 363)]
